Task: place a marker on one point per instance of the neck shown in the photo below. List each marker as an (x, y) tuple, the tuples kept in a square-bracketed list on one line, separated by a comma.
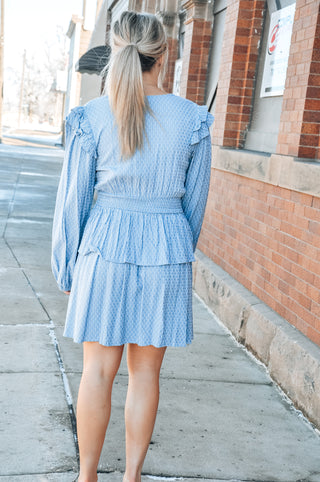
[(150, 82)]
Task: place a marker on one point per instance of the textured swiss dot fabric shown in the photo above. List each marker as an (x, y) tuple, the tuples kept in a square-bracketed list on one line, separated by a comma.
[(127, 258), (117, 303)]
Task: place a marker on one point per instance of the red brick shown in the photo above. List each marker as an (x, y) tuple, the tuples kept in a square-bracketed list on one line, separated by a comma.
[(310, 128), (302, 198), (312, 104), (314, 227), (316, 202), (314, 79), (307, 152)]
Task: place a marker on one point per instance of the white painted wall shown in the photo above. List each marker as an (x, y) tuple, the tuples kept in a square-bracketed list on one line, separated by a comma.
[(91, 84), (71, 100)]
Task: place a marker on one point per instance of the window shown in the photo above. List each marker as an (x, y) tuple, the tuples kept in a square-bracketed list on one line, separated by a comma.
[(264, 126), (219, 16)]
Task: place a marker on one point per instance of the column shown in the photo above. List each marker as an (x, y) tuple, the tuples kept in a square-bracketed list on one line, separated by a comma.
[(240, 49), (198, 26)]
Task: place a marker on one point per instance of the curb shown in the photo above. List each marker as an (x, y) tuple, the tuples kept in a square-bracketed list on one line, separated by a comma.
[(293, 361)]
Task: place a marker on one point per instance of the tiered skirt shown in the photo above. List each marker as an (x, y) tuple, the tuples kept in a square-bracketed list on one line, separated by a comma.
[(124, 294), (119, 303)]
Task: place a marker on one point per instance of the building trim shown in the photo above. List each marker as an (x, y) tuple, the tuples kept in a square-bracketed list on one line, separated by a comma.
[(289, 172)]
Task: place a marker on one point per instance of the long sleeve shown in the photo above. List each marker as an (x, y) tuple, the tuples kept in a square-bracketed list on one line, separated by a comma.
[(74, 196), (198, 174)]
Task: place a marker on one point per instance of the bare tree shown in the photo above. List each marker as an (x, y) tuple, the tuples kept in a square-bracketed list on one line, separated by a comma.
[(40, 97)]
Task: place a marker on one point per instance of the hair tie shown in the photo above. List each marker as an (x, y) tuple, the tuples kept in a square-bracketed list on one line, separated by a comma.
[(131, 43)]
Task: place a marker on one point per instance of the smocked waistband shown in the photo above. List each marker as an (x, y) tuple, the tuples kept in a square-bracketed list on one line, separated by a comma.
[(167, 205)]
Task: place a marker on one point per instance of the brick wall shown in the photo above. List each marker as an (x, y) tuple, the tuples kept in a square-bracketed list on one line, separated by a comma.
[(172, 56), (268, 239), (240, 47), (299, 133), (198, 28)]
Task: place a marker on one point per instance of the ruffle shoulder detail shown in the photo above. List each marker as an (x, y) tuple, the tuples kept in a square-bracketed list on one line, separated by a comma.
[(77, 120), (203, 121)]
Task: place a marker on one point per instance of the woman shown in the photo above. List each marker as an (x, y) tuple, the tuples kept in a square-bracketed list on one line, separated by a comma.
[(127, 262)]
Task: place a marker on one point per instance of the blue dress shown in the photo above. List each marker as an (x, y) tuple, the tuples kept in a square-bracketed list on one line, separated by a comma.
[(127, 257)]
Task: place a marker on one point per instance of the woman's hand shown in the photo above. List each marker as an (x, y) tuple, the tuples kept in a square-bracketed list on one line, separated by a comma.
[(67, 292)]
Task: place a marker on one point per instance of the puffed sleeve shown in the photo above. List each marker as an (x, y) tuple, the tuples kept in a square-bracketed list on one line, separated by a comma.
[(198, 174), (74, 196)]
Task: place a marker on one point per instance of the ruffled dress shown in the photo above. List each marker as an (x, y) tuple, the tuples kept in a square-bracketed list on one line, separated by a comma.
[(125, 231)]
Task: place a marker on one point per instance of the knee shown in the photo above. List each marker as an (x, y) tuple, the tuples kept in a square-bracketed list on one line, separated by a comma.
[(144, 375), (99, 373), (145, 362), (101, 363)]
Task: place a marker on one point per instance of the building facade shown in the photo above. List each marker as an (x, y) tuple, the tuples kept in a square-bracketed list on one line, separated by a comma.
[(84, 33), (266, 233)]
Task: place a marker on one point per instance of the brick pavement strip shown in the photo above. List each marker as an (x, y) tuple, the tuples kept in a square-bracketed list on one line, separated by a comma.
[(220, 416)]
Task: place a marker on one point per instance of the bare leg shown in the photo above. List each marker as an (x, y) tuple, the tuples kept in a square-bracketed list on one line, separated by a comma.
[(144, 364), (100, 366)]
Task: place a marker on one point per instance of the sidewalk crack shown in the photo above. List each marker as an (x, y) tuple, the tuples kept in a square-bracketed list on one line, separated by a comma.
[(67, 390)]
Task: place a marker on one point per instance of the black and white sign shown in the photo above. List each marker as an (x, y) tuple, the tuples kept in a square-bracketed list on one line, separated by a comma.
[(276, 62)]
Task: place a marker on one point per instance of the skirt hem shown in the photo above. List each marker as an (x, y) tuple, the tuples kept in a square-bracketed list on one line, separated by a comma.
[(156, 345)]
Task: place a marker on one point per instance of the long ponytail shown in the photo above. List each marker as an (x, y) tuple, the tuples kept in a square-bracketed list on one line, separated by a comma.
[(137, 41)]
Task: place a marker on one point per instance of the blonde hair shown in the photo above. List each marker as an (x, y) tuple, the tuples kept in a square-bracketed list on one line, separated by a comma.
[(137, 41)]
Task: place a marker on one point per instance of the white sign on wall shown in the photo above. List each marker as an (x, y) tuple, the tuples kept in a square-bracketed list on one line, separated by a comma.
[(277, 55), (177, 77)]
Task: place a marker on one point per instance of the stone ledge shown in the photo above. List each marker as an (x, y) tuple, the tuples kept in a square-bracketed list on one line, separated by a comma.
[(301, 175), (293, 360)]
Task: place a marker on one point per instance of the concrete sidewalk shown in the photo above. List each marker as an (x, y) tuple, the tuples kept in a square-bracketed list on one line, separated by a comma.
[(221, 418)]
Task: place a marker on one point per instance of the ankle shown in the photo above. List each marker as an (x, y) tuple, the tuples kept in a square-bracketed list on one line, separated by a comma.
[(87, 478), (131, 477)]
